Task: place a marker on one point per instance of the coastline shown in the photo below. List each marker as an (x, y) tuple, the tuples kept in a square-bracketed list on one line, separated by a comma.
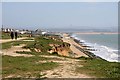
[(80, 66), (77, 48), (68, 39), (87, 52), (96, 49)]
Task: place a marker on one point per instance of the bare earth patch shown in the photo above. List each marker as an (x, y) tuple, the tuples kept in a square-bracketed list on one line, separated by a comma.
[(12, 51), (8, 40), (65, 70)]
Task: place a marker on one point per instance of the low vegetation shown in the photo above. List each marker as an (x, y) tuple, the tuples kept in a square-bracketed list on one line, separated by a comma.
[(33, 53), (6, 35), (42, 43), (25, 66), (31, 67), (15, 43), (99, 68), (6, 45)]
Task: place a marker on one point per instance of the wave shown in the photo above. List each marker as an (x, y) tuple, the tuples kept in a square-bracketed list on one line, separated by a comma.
[(102, 51)]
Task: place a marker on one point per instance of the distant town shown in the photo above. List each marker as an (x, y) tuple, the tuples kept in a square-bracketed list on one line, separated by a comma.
[(26, 31)]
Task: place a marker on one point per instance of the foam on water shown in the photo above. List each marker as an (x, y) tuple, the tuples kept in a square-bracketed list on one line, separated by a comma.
[(102, 51)]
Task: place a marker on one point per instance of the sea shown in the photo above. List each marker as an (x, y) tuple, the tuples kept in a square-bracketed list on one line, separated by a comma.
[(104, 45)]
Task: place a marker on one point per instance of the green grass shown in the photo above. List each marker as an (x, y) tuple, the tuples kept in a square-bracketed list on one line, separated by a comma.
[(30, 38), (99, 68), (23, 35), (15, 43), (6, 45), (42, 43), (32, 53), (23, 65), (25, 52), (41, 54), (5, 35)]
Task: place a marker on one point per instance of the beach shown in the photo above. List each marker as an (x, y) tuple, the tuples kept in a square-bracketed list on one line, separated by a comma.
[(68, 39)]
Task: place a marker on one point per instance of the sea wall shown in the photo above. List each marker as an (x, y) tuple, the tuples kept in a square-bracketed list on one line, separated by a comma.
[(84, 50)]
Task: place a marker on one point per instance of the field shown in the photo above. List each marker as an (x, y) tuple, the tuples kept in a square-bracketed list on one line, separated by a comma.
[(25, 66), (99, 68)]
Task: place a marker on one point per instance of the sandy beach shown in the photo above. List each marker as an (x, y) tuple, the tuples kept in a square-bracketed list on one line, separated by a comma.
[(66, 38)]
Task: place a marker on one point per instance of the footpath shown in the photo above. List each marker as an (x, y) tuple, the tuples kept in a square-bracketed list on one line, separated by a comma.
[(8, 40)]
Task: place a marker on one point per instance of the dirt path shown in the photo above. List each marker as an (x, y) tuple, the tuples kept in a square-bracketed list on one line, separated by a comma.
[(12, 51), (8, 40), (65, 70)]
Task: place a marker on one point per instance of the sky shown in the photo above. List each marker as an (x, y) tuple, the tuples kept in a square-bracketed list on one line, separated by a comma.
[(60, 0), (45, 15)]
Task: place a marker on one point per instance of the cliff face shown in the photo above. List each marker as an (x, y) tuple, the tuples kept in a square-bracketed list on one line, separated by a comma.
[(63, 49), (51, 44)]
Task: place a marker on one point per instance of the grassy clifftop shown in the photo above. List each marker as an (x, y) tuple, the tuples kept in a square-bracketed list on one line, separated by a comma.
[(99, 68), (25, 66), (39, 46), (50, 44)]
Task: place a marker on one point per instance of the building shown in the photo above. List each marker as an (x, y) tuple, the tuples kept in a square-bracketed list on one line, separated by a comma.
[(7, 30)]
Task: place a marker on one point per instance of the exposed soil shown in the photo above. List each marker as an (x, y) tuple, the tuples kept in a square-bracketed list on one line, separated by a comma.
[(65, 70), (12, 51)]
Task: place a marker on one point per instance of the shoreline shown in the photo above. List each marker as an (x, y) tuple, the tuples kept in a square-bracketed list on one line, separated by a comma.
[(89, 51), (75, 45), (66, 38), (81, 49)]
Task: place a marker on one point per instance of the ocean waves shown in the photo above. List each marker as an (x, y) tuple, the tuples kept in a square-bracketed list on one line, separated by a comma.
[(98, 49)]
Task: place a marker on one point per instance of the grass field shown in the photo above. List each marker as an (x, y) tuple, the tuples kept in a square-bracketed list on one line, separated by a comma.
[(15, 43), (99, 68), (5, 35), (42, 43), (25, 66)]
